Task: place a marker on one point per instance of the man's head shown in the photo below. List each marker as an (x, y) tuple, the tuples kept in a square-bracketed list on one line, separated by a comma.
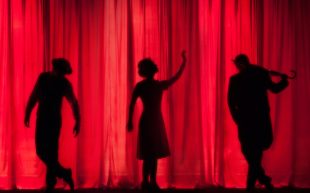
[(61, 66), (241, 61)]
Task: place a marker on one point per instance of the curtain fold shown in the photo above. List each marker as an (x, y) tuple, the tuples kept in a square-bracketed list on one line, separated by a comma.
[(104, 41)]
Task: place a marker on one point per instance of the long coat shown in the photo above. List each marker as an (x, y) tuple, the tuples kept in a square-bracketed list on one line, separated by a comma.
[(248, 104)]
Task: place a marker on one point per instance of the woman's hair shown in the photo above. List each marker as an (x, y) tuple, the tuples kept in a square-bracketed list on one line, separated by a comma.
[(147, 67)]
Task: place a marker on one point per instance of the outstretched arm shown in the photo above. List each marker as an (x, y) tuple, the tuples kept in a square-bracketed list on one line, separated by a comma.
[(277, 87), (75, 108), (168, 83), (33, 99), (131, 108)]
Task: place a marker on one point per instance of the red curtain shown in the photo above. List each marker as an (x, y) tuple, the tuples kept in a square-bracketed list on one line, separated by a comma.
[(104, 40)]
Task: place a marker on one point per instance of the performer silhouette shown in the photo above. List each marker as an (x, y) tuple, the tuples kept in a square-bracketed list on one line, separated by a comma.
[(249, 107), (48, 92), (152, 138)]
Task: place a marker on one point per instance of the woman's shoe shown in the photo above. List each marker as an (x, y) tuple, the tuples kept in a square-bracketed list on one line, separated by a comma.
[(145, 185), (154, 187)]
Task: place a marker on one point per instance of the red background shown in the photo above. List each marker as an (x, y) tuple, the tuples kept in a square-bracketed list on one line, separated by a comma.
[(104, 40)]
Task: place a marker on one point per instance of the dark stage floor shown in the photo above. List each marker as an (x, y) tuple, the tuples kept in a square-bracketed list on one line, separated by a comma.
[(207, 190)]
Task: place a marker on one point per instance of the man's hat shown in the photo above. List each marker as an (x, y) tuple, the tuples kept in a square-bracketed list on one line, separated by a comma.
[(62, 65), (241, 58)]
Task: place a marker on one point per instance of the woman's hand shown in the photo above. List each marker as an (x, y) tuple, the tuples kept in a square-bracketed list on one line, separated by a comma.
[(76, 129)]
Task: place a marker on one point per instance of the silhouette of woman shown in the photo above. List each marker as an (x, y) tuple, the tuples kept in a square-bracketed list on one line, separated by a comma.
[(152, 138)]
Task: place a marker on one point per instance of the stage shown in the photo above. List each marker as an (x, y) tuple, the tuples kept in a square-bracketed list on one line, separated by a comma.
[(172, 190)]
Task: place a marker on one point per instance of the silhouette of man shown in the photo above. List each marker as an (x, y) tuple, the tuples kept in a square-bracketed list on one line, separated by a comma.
[(249, 107), (49, 90)]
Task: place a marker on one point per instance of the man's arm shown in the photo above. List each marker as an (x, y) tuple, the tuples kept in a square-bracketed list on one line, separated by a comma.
[(75, 108), (33, 99), (279, 86), (232, 101)]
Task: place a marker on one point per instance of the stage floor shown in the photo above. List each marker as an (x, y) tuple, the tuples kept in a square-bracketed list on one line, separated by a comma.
[(207, 190)]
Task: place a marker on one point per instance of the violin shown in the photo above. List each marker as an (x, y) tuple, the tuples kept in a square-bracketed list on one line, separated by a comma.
[(291, 76)]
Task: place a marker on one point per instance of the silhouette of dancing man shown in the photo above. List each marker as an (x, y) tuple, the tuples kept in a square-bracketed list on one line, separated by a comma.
[(152, 138), (49, 90), (249, 107)]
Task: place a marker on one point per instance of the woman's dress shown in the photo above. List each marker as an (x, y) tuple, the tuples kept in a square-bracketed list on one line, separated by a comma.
[(152, 137)]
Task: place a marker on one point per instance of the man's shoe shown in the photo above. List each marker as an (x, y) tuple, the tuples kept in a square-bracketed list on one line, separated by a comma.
[(250, 188), (49, 190), (267, 183), (269, 187), (68, 179)]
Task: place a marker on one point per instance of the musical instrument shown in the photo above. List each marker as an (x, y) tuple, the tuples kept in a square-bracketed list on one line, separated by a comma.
[(275, 73)]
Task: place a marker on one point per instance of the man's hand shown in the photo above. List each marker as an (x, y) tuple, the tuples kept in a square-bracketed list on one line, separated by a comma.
[(76, 129), (129, 126), (284, 76), (26, 122)]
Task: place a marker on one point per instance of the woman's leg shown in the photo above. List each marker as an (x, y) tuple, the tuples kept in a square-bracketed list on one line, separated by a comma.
[(146, 170), (145, 174), (153, 174), (153, 170)]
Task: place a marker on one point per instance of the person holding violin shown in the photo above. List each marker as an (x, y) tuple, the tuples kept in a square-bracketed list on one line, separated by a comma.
[(249, 107)]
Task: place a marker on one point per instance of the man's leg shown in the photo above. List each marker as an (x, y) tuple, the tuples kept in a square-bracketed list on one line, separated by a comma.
[(249, 154), (50, 179), (66, 174), (43, 153), (262, 177), (256, 171), (54, 169), (59, 170)]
